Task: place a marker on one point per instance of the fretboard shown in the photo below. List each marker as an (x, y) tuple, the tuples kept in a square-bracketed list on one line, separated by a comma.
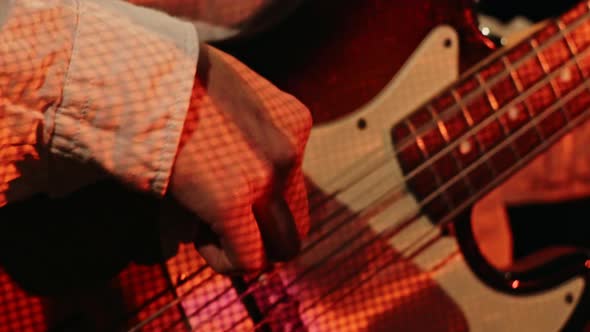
[(483, 128)]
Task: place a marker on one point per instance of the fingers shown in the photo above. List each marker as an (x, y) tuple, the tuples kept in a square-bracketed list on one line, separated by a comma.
[(277, 144), (265, 232), (225, 81), (244, 164), (278, 228)]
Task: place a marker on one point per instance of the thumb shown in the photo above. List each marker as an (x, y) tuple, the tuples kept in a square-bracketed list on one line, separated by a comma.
[(277, 227)]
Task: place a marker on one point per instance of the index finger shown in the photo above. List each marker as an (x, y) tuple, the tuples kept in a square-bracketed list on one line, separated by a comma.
[(249, 111)]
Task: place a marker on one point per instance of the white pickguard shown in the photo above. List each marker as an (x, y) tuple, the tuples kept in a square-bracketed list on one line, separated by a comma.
[(339, 152)]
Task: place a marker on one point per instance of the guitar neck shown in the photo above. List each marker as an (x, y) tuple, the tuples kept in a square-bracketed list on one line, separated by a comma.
[(483, 128)]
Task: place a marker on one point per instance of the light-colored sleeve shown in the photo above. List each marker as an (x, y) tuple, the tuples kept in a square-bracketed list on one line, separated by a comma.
[(102, 84)]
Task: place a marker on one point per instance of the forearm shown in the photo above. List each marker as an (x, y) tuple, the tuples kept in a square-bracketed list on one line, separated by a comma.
[(98, 84)]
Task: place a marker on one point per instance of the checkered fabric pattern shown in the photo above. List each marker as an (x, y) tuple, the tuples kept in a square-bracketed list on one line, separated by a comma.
[(103, 82), (108, 85)]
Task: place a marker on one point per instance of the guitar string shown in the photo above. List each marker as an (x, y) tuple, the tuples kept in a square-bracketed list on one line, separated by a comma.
[(344, 245), (455, 109), (249, 290), (447, 112), (177, 300), (229, 288), (165, 292), (360, 283), (544, 80), (577, 122), (544, 145), (316, 266), (537, 119), (314, 206), (393, 257)]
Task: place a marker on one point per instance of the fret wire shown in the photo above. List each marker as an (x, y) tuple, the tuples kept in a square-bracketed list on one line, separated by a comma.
[(518, 84), (447, 112), (430, 167), (546, 69), (516, 100), (575, 55), (478, 143), (543, 63), (513, 74), (470, 123), (482, 82), (494, 105), (545, 66), (440, 124), (505, 130), (559, 103), (544, 145), (502, 110), (459, 101), (490, 96), (468, 117), (419, 141), (455, 161)]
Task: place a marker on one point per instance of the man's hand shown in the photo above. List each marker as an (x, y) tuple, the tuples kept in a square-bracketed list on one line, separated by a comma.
[(238, 169)]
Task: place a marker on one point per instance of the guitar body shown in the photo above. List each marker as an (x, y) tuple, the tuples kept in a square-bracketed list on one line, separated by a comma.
[(372, 262), (382, 67), (436, 281)]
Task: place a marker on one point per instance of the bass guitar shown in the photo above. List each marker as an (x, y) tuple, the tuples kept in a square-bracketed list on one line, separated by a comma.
[(417, 118)]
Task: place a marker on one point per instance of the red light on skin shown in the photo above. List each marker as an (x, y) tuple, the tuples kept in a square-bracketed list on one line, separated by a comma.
[(515, 284), (587, 264)]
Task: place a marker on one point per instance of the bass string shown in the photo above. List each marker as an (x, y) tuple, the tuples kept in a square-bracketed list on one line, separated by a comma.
[(370, 271), (250, 290), (475, 128), (541, 147), (454, 109), (317, 264), (228, 289), (393, 260), (354, 253), (177, 300)]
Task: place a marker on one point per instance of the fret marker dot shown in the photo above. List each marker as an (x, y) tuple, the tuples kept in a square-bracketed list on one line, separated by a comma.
[(465, 147), (565, 75), (513, 113)]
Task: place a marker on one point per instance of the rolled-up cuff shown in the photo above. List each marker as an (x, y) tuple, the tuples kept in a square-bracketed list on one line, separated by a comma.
[(127, 92)]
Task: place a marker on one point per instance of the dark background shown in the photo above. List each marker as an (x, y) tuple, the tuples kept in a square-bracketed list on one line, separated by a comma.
[(534, 10)]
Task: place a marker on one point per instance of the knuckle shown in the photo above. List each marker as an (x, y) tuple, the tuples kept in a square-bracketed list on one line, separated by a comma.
[(295, 121), (303, 120)]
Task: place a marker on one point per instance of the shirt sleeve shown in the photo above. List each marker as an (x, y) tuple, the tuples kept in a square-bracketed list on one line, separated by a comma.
[(101, 83)]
